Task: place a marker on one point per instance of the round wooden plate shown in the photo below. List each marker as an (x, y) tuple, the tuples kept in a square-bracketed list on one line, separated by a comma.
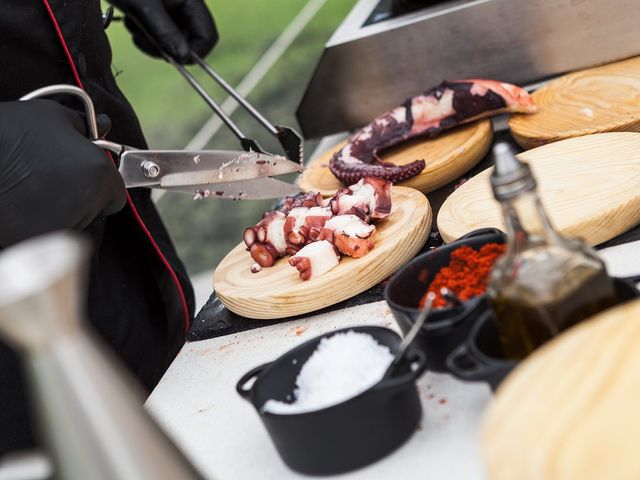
[(278, 292), (589, 186), (570, 410), (447, 157), (602, 99)]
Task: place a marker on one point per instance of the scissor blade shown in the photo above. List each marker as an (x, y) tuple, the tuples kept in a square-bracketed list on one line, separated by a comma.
[(177, 168), (256, 189)]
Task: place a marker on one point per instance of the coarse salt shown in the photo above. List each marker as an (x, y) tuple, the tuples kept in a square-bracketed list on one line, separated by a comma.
[(342, 366)]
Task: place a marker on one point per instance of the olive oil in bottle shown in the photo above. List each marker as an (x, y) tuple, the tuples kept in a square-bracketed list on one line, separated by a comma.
[(545, 283)]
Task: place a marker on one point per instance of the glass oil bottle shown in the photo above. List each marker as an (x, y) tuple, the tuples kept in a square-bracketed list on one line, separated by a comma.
[(545, 283)]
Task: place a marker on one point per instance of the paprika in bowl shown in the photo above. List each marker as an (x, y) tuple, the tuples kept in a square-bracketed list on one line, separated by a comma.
[(447, 326)]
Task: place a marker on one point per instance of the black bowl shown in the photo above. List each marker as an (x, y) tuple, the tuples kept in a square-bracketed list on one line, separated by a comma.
[(346, 436), (480, 356), (445, 328)]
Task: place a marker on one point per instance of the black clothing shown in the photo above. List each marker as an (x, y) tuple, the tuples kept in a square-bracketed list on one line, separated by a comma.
[(47, 160), (133, 302)]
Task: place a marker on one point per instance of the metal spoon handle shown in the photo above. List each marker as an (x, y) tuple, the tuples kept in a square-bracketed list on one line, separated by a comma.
[(450, 297), (413, 332)]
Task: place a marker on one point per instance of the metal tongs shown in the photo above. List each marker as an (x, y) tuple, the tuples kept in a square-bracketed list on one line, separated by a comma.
[(290, 140), (227, 174)]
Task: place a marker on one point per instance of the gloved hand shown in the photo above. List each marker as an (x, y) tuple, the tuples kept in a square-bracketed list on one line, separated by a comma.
[(52, 176), (175, 25)]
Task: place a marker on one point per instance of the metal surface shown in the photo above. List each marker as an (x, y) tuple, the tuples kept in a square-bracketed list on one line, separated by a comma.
[(231, 91), (256, 189), (89, 111), (451, 297), (511, 177), (184, 168), (290, 140), (89, 411), (247, 143), (365, 71), (411, 335)]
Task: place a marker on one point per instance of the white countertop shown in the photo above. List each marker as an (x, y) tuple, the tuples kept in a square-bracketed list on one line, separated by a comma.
[(222, 434)]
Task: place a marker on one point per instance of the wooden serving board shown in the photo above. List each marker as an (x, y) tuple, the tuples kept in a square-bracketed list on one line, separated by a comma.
[(589, 186), (570, 410), (278, 292), (447, 157), (602, 99)]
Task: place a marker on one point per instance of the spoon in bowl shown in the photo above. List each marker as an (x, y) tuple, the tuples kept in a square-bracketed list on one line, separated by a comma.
[(450, 297), (411, 335)]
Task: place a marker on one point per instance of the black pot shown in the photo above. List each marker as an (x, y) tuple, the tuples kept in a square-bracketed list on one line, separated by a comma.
[(445, 328), (480, 356), (346, 436)]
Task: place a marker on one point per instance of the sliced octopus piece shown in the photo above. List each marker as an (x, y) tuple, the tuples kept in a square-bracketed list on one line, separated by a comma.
[(369, 198), (266, 241), (293, 232), (350, 235), (309, 200), (314, 222), (315, 259)]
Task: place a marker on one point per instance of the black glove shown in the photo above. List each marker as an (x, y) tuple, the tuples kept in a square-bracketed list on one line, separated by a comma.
[(175, 25), (52, 176)]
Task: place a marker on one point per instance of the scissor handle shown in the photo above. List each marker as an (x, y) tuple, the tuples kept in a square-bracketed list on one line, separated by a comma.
[(89, 110)]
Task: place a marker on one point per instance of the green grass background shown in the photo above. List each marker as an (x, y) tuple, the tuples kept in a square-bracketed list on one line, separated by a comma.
[(171, 113)]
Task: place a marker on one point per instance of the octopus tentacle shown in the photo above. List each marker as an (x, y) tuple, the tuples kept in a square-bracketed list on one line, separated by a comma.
[(352, 172), (368, 199), (309, 199), (266, 241), (443, 107), (314, 221), (250, 236), (294, 236), (303, 264), (264, 254), (350, 235), (315, 259)]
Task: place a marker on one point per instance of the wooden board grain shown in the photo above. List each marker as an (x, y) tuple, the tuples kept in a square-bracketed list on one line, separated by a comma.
[(278, 292), (589, 186), (570, 410), (447, 157), (602, 99)]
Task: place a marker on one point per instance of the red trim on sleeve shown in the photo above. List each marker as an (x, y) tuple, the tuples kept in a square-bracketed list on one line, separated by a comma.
[(137, 216)]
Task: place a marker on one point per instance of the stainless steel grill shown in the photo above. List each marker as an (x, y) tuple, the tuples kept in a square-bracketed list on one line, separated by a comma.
[(367, 68)]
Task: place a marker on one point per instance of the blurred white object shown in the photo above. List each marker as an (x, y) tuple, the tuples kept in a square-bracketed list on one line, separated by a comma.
[(32, 465), (90, 416), (622, 260)]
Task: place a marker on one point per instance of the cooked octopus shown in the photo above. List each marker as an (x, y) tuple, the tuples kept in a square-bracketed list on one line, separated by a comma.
[(315, 259), (305, 221), (351, 235), (446, 106)]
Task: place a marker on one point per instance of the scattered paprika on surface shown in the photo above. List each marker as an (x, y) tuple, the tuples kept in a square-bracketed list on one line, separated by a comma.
[(467, 273)]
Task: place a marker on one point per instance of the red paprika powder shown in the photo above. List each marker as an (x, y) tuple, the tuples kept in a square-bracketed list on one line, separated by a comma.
[(467, 273)]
